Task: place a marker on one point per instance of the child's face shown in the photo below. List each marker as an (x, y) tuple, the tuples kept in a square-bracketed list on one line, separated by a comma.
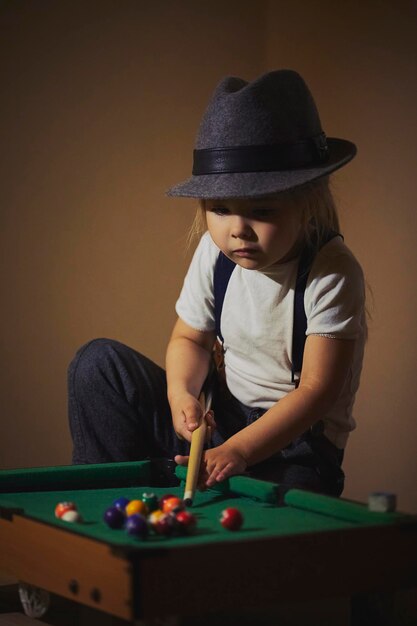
[(256, 233)]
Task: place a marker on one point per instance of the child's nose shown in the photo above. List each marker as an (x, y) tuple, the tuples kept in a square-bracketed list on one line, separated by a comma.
[(240, 227)]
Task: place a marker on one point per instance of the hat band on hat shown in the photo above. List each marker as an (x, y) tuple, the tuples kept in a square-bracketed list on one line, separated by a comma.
[(264, 158)]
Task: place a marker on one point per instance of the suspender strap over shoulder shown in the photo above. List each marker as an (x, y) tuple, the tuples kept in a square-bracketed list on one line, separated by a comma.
[(222, 272), (300, 319), (299, 328)]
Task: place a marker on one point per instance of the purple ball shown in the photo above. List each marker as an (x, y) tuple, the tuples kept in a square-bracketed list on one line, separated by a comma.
[(137, 526), (114, 517), (121, 503)]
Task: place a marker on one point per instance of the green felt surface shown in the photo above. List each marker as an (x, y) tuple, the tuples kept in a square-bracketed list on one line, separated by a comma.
[(305, 512), (261, 519)]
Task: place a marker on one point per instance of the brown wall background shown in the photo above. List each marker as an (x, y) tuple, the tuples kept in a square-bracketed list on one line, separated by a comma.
[(100, 104)]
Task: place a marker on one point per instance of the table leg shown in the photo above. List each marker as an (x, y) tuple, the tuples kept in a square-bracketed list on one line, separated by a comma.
[(35, 601)]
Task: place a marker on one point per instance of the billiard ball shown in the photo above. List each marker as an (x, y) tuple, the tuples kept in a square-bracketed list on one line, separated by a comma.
[(163, 498), (231, 519), (151, 501), (71, 516), (63, 507), (154, 517), (121, 503), (166, 525), (136, 506), (137, 526), (172, 505), (114, 517), (186, 522)]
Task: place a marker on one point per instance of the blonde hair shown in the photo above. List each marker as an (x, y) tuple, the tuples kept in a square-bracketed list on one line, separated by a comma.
[(319, 213)]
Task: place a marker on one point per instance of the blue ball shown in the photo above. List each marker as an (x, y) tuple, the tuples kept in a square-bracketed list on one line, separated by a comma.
[(137, 526), (121, 503), (114, 517)]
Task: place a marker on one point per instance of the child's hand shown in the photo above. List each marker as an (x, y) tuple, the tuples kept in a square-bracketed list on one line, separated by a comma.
[(217, 464), (220, 463), (187, 414)]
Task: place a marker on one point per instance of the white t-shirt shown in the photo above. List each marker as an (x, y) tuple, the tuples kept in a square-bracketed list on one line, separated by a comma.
[(257, 323)]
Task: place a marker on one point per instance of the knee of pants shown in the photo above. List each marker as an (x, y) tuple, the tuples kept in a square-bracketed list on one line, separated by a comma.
[(90, 358)]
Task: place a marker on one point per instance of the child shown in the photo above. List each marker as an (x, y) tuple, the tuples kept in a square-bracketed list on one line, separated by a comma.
[(270, 274)]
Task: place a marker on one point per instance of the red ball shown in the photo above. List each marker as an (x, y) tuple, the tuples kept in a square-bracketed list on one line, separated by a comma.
[(166, 525), (186, 522), (231, 519), (63, 507)]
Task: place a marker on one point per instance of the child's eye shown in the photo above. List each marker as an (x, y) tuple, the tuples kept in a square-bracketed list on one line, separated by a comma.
[(264, 212), (220, 210)]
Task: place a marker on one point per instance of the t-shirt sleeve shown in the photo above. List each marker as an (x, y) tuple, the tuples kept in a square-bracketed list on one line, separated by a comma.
[(335, 294), (195, 305)]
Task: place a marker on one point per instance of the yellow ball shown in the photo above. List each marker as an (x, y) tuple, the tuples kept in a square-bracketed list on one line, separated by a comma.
[(155, 516), (136, 506)]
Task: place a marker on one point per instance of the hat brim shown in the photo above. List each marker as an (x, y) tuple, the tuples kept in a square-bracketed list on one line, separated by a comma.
[(255, 184)]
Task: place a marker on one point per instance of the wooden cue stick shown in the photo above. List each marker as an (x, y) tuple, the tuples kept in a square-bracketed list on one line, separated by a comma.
[(198, 439)]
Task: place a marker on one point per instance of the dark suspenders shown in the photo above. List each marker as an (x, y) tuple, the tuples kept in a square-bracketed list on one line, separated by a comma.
[(222, 272)]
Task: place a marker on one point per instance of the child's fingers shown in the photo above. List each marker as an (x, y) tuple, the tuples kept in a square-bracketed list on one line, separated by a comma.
[(225, 472), (182, 431), (214, 477), (181, 460), (221, 472), (210, 420), (192, 416)]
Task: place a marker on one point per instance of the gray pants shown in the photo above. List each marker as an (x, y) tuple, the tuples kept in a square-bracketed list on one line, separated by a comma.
[(118, 411)]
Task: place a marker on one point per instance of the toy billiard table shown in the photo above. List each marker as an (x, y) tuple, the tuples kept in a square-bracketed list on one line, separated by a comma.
[(312, 546)]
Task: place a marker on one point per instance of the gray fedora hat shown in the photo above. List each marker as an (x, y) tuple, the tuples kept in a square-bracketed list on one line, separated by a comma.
[(261, 138)]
